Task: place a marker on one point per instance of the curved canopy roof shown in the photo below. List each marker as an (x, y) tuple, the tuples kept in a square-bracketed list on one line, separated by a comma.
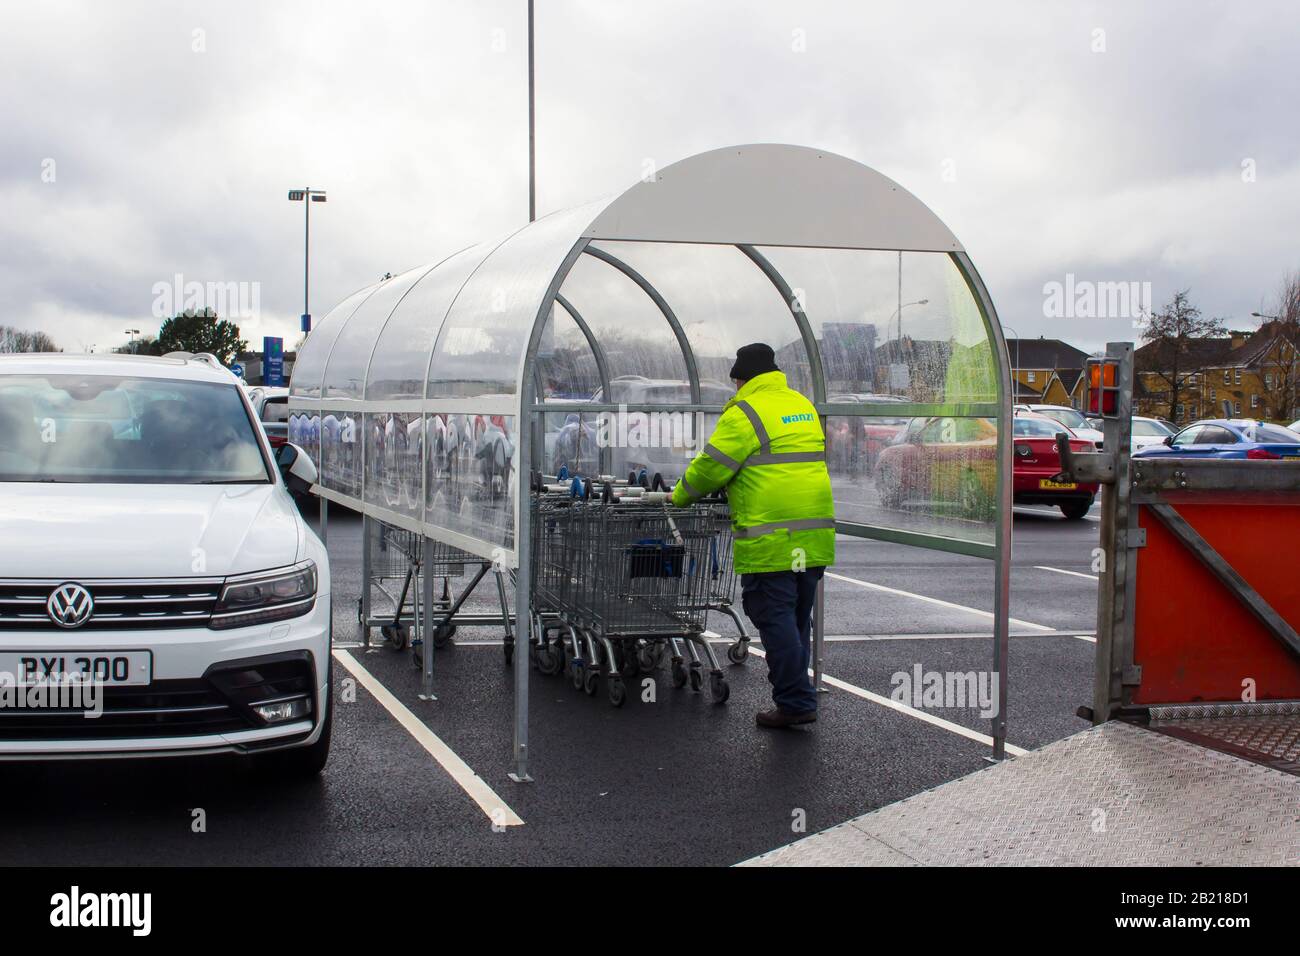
[(642, 299)]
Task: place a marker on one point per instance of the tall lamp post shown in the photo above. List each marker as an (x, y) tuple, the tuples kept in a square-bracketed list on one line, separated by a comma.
[(306, 197), (133, 333)]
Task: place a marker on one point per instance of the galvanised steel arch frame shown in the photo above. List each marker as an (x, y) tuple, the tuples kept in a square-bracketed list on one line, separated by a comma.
[(999, 552)]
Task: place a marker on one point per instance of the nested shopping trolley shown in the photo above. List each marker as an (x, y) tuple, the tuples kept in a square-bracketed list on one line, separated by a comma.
[(623, 580), (395, 562)]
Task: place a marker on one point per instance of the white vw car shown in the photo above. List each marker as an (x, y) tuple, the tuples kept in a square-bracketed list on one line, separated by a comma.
[(149, 543)]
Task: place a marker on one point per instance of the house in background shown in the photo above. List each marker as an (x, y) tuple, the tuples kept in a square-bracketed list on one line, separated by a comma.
[(1046, 371), (1244, 374)]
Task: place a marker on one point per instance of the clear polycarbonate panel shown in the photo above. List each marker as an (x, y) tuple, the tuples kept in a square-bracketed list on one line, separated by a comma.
[(935, 476), (565, 368), (314, 353), (639, 345), (394, 450), (890, 323), (345, 375), (481, 346), (304, 431), (569, 445), (401, 357), (340, 453), (472, 461), (723, 301)]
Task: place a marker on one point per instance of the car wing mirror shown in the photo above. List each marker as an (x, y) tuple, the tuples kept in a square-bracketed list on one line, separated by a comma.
[(1169, 440), (297, 468)]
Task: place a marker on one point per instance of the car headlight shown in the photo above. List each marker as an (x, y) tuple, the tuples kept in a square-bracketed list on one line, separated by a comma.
[(265, 596)]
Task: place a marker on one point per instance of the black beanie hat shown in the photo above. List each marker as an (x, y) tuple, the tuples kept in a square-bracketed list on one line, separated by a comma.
[(753, 360)]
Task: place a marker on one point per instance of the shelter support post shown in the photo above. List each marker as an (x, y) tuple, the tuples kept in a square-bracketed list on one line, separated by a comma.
[(428, 624), (367, 568)]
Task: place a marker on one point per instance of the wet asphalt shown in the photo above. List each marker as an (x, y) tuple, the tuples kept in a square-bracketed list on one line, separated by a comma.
[(673, 780)]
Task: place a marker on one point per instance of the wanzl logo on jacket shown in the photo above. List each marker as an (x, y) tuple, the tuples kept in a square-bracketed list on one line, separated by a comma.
[(791, 419)]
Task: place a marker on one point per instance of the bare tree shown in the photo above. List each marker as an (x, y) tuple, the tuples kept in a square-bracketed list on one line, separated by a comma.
[(1282, 362), (16, 340), (1173, 334)]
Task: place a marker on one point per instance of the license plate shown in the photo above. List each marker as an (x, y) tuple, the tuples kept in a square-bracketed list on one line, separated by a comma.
[(1048, 484), (112, 668), (1291, 457)]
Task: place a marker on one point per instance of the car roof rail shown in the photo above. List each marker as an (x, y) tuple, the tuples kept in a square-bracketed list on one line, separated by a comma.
[(207, 358)]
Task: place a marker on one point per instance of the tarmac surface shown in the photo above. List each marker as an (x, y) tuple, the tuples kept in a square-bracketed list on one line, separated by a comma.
[(675, 781)]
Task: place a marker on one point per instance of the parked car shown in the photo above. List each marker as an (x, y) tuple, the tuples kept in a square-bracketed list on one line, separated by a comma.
[(271, 405), (1228, 438), (1071, 418), (949, 462), (854, 444), (151, 546), (1037, 463), (1146, 432)]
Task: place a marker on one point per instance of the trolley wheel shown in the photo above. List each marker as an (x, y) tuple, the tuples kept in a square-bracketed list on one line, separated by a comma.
[(576, 671), (647, 659), (395, 635), (417, 655), (509, 650), (617, 692), (548, 661), (696, 676), (590, 681), (629, 666), (719, 689), (361, 617), (442, 635), (736, 653), (679, 673)]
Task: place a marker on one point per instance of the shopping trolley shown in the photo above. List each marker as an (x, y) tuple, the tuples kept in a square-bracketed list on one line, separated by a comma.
[(623, 579), (394, 563)]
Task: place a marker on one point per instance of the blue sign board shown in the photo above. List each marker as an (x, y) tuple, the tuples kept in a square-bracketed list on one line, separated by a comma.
[(272, 360), (237, 370)]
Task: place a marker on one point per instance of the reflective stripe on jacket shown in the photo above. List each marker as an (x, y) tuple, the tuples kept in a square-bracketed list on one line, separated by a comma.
[(770, 452)]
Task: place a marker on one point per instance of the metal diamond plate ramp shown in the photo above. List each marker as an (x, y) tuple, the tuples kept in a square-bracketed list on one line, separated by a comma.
[(1115, 795)]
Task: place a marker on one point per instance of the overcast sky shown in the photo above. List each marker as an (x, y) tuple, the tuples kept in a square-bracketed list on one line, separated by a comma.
[(1115, 142)]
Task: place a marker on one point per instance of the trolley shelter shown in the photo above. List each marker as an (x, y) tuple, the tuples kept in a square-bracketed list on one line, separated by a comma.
[(597, 341)]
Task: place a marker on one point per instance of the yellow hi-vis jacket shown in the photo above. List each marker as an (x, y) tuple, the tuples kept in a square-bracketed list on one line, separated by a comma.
[(770, 452)]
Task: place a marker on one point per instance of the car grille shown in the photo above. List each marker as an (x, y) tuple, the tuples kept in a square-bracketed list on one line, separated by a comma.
[(165, 708), (215, 704), (119, 603)]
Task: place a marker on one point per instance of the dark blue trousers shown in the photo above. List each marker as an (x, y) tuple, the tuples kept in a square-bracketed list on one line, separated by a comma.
[(780, 603)]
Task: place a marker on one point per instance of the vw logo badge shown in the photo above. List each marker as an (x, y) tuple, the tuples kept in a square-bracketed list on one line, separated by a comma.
[(70, 605)]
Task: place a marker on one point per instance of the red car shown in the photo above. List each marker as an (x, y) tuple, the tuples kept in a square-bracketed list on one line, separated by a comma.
[(1037, 463), (953, 461)]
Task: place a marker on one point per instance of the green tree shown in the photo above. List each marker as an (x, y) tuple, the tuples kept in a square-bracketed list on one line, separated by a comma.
[(201, 332)]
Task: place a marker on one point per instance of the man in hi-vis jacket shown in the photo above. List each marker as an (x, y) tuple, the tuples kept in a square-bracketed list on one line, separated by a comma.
[(770, 452)]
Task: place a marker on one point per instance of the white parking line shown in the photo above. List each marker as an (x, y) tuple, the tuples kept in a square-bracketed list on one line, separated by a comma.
[(911, 711), (936, 601), (1076, 574), (496, 809)]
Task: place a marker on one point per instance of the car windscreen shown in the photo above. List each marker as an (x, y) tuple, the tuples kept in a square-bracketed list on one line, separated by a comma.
[(1034, 428), (275, 410), (104, 428), (1066, 416), (1149, 429)]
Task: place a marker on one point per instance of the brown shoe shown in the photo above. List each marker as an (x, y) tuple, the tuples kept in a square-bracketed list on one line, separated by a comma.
[(776, 717)]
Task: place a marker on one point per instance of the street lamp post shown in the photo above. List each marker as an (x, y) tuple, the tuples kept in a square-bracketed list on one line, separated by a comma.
[(133, 333), (306, 197)]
